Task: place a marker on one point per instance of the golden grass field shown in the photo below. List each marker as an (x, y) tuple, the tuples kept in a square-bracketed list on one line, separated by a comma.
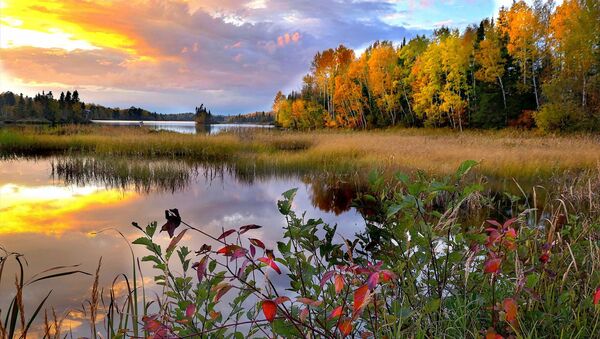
[(507, 153)]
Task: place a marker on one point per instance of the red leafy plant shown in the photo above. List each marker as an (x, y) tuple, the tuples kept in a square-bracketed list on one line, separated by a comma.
[(328, 293)]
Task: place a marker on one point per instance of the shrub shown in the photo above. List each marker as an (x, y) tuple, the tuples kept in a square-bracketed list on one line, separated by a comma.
[(418, 270)]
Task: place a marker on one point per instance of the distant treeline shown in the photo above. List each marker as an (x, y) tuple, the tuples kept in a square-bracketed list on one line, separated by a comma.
[(68, 108), (252, 118), (534, 65)]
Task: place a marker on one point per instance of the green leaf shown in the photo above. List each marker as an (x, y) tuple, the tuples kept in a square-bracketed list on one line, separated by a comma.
[(432, 306), (212, 265), (150, 229), (290, 194), (403, 177), (532, 280), (143, 241), (393, 209), (284, 329), (465, 167), (152, 258)]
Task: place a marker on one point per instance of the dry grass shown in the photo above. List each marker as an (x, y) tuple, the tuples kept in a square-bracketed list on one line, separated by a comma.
[(507, 153)]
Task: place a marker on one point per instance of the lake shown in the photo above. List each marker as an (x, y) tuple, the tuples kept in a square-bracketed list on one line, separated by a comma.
[(49, 214), (187, 127)]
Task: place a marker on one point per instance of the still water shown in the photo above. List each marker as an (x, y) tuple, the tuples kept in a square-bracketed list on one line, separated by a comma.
[(186, 127), (50, 217)]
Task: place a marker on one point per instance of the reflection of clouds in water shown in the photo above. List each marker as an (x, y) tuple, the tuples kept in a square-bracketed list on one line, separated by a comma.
[(208, 205)]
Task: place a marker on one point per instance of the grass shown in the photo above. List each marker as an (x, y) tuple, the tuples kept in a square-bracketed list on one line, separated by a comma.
[(507, 153)]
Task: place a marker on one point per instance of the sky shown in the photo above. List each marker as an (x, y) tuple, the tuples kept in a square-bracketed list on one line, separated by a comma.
[(170, 56)]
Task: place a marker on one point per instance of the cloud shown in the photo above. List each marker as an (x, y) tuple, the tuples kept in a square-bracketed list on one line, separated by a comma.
[(172, 55)]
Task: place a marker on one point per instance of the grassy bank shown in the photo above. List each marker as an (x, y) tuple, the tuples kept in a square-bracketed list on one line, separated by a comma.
[(507, 153)]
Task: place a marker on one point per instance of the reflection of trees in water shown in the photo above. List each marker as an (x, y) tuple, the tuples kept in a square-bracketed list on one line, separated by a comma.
[(332, 194), (330, 191), (127, 174)]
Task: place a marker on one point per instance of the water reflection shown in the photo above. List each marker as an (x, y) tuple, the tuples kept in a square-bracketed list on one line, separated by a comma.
[(185, 127), (49, 207), (52, 210)]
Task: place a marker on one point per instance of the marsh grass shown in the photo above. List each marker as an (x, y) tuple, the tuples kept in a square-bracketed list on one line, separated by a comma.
[(508, 153)]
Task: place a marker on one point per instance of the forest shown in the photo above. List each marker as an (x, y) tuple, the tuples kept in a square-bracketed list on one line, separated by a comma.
[(532, 66), (68, 108)]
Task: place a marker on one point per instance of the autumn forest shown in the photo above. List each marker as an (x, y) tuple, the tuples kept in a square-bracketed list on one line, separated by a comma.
[(533, 65)]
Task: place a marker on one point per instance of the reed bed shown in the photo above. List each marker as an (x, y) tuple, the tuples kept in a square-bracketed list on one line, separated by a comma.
[(507, 153)]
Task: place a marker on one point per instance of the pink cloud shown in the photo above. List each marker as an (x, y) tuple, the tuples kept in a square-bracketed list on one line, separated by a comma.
[(288, 38)]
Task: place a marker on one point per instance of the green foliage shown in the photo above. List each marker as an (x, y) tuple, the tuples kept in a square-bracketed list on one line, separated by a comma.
[(418, 269)]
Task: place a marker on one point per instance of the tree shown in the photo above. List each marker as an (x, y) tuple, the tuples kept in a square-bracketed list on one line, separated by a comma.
[(522, 27), (490, 61), (383, 69)]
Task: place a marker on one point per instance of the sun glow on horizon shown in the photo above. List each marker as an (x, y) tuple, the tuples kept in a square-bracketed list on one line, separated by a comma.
[(67, 25)]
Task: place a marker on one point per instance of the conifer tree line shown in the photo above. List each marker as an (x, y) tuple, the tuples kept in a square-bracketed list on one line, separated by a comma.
[(532, 65), (68, 108)]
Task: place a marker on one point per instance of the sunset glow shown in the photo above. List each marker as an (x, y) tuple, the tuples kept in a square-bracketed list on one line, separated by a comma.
[(51, 210), (169, 56)]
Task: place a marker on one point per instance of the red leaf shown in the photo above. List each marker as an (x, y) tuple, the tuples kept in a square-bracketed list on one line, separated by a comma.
[(151, 324), (201, 268), (360, 296), (491, 334), (270, 254), (281, 300), (345, 327), (511, 233), (326, 277), (247, 228), (338, 283), (373, 280), (387, 275), (225, 234), (240, 252), (597, 296), (214, 314), (271, 263), (509, 222), (309, 302), (269, 309), (252, 251), (190, 310), (510, 308), (335, 313), (492, 265), (257, 243), (176, 240), (229, 250)]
